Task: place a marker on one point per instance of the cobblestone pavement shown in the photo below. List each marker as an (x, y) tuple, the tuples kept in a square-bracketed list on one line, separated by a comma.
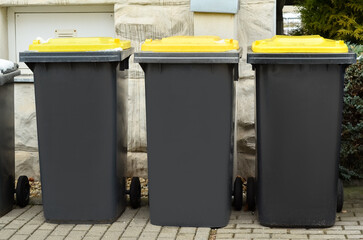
[(349, 224), (29, 223)]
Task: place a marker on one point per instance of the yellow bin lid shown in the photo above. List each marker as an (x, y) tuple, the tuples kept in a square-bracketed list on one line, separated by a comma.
[(299, 44), (79, 44), (190, 44)]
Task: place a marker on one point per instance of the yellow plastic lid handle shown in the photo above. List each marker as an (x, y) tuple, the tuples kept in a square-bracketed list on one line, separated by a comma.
[(299, 44), (79, 44), (190, 44)]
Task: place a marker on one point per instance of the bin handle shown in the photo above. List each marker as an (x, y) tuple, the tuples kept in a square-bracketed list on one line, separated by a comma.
[(124, 64)]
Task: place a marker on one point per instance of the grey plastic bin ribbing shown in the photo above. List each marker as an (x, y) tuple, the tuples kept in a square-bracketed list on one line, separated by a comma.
[(190, 115), (7, 153), (81, 102), (299, 110)]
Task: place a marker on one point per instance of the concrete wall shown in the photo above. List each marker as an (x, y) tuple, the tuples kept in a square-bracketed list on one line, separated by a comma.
[(137, 20)]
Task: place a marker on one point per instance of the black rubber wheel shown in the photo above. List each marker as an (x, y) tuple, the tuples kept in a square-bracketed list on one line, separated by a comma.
[(251, 194), (340, 196), (237, 194), (22, 191), (135, 193)]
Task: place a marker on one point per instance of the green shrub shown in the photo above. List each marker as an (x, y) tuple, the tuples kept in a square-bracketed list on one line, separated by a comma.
[(334, 19), (351, 154)]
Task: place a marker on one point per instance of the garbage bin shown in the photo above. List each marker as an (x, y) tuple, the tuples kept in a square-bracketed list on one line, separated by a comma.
[(8, 70), (190, 113), (299, 97), (81, 103)]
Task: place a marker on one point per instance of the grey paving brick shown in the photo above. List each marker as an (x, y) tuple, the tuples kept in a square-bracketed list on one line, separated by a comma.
[(16, 212), (202, 234), (269, 230), (27, 229), (40, 234), (326, 236), (132, 232), (185, 236), (168, 232), (138, 222), (55, 237), (357, 209), (91, 238), (6, 220), (82, 227), (249, 226), (62, 230), (30, 213), (143, 213), (341, 223), (247, 217), (16, 224), (230, 225), (37, 220), (224, 235), (117, 227), (289, 236), (203, 230), (242, 221), (187, 230), (148, 235), (152, 228), (251, 235), (76, 235), (111, 235), (343, 232), (97, 230), (306, 231), (127, 215), (6, 233), (240, 230), (19, 237), (346, 214), (358, 227), (358, 219), (48, 226), (355, 236)]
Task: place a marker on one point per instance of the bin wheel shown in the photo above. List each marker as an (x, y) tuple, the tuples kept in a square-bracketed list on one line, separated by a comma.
[(22, 191), (237, 194), (135, 192), (251, 195), (340, 196)]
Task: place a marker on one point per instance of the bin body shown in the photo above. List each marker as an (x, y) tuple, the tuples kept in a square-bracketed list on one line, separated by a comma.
[(299, 101), (82, 133), (190, 122), (7, 154)]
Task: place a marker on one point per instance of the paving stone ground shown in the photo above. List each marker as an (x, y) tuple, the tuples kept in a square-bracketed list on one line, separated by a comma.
[(29, 223)]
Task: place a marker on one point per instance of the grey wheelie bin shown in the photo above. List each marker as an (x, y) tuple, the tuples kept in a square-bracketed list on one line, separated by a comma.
[(299, 97), (8, 71), (81, 97), (189, 113)]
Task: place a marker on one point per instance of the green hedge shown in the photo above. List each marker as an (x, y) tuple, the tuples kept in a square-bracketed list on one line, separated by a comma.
[(334, 19), (351, 154)]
